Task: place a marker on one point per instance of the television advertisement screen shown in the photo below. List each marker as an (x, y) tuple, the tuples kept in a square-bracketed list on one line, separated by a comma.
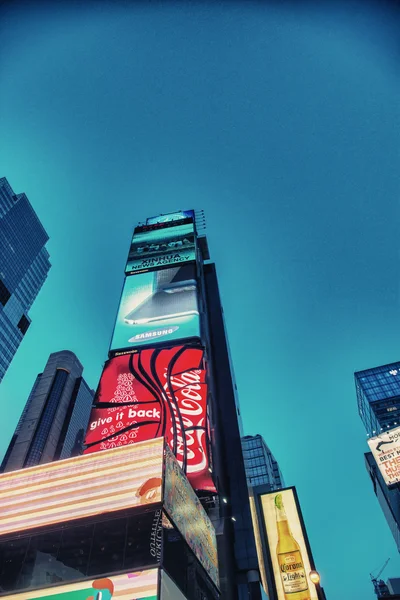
[(287, 545), (385, 449), (163, 247), (80, 487), (139, 585), (175, 216), (189, 517), (153, 393), (159, 306)]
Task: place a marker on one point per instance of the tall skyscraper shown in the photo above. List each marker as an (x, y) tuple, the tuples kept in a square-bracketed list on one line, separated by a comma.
[(55, 417), (261, 466), (158, 506), (24, 264), (378, 397)]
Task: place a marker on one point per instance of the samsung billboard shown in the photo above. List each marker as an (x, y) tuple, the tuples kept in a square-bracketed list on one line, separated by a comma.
[(159, 306)]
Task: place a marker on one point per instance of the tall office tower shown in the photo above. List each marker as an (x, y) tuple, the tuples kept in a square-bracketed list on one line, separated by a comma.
[(158, 505), (55, 417), (261, 466), (378, 397), (24, 264)]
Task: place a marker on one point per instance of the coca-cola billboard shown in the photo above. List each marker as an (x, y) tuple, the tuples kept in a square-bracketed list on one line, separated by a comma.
[(156, 393)]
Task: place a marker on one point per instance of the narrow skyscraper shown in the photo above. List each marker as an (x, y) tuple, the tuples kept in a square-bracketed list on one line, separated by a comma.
[(261, 466), (55, 417), (24, 264)]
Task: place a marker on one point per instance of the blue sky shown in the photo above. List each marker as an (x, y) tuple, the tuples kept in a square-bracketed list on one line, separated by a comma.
[(281, 121)]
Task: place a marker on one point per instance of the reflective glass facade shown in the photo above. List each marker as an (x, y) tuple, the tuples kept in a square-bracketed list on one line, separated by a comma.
[(378, 397), (261, 466), (24, 264), (55, 416)]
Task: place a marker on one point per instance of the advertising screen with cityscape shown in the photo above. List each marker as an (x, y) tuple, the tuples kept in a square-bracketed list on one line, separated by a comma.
[(155, 393), (385, 449), (161, 247), (189, 517), (81, 487), (287, 546), (139, 585), (159, 306)]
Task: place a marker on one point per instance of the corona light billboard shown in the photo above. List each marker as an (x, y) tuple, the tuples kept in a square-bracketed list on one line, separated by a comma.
[(152, 248), (140, 585), (159, 306), (81, 487), (288, 545), (189, 517), (155, 393), (385, 449)]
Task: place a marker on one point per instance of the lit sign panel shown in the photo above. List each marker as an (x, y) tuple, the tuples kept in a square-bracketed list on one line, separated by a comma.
[(176, 216), (130, 586), (169, 591), (155, 393), (189, 517), (287, 545), (386, 451), (163, 247), (81, 487), (160, 306)]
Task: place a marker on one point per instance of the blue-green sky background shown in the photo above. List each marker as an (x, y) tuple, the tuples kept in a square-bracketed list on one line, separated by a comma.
[(281, 121)]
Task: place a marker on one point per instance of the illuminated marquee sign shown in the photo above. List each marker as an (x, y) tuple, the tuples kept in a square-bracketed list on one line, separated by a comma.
[(166, 246), (287, 545), (189, 516), (157, 306), (385, 449), (81, 487), (155, 393), (129, 586)]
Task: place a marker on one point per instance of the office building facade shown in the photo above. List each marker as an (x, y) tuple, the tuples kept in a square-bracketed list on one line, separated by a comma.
[(24, 265), (261, 466), (55, 417), (378, 397)]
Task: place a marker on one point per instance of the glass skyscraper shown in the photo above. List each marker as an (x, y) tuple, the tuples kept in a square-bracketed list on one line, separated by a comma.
[(378, 397), (55, 417), (24, 264), (261, 466)]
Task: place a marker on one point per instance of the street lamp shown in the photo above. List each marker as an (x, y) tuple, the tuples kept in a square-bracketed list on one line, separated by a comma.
[(314, 576)]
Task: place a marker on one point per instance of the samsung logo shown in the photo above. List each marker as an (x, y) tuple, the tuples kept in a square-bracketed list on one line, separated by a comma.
[(150, 335)]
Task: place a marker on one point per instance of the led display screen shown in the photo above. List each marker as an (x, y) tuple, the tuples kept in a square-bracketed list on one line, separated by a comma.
[(169, 591), (159, 306), (175, 216), (139, 585), (287, 545), (161, 247), (81, 487), (385, 449), (155, 393), (189, 517)]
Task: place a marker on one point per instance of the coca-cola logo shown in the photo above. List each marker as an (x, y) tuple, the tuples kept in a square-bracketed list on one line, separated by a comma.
[(155, 393)]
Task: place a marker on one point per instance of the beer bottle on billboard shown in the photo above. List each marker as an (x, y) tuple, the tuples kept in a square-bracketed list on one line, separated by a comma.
[(291, 565)]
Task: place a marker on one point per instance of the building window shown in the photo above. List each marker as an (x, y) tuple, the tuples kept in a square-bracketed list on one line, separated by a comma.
[(23, 324), (5, 295)]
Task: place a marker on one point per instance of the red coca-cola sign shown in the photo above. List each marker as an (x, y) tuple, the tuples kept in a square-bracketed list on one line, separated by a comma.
[(155, 393)]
